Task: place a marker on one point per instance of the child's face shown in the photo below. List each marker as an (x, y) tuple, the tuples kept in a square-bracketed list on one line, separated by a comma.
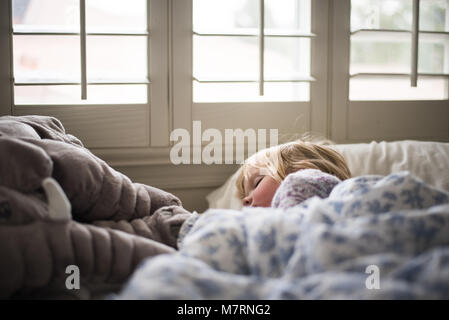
[(259, 189)]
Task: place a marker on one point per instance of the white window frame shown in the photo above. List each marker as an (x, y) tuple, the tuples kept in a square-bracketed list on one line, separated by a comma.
[(362, 121), (291, 118), (121, 133), (329, 112), (139, 134), (182, 111)]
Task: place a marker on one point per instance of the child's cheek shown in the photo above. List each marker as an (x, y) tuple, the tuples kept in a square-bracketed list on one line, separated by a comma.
[(262, 198), (265, 193)]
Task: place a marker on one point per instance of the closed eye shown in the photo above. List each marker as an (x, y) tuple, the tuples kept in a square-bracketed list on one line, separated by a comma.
[(258, 181)]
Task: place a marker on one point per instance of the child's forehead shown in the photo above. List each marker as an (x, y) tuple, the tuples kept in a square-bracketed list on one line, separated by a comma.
[(254, 171), (250, 170)]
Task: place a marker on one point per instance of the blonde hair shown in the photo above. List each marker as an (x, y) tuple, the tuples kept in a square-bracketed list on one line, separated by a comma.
[(279, 161)]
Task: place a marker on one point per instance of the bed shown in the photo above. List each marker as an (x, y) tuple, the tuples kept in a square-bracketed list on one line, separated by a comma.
[(383, 234)]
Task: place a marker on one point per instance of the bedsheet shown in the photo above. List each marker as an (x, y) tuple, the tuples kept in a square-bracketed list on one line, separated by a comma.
[(374, 237)]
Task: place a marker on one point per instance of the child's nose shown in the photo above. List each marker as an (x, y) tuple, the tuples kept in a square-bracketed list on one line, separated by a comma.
[(247, 201)]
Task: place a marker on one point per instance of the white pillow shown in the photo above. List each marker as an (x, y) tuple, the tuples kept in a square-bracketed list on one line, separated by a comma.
[(426, 160)]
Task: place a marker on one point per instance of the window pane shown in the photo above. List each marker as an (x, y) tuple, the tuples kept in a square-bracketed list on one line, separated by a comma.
[(433, 15), (287, 91), (61, 14), (227, 57), (380, 56), (240, 92), (390, 52), (46, 57), (286, 56), (225, 15), (116, 15), (288, 14), (115, 57), (432, 56), (383, 88), (381, 14), (236, 58), (61, 94), (372, 54)]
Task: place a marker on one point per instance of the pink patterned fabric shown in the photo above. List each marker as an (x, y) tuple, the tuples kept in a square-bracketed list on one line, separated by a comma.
[(302, 185)]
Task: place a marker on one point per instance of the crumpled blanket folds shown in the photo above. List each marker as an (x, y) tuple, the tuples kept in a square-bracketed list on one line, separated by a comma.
[(113, 224), (374, 237)]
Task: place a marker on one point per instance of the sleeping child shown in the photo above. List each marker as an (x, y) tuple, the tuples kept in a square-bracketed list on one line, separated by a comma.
[(285, 175)]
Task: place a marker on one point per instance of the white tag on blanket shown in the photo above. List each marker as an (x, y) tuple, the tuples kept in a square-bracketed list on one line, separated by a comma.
[(59, 207)]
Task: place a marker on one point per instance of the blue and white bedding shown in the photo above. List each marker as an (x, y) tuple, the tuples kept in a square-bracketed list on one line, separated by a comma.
[(374, 237)]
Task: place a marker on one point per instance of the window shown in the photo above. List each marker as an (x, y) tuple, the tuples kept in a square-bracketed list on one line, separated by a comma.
[(251, 50), (340, 69), (52, 55), (259, 64), (381, 50), (89, 63), (374, 64), (180, 70)]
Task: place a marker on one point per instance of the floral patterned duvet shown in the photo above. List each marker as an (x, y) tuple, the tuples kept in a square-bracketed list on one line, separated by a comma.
[(374, 237)]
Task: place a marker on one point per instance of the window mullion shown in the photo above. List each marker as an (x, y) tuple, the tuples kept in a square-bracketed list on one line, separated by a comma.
[(415, 43), (446, 45), (261, 46), (83, 49)]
